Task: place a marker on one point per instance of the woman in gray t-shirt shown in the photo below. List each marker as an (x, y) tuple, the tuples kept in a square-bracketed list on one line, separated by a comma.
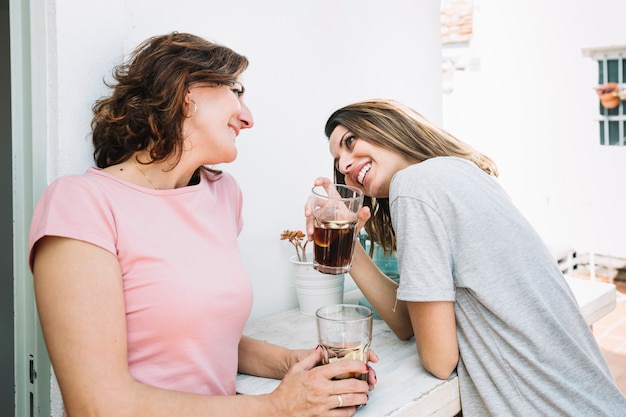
[(478, 288)]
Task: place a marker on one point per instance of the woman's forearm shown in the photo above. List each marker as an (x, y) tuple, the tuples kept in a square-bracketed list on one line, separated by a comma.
[(264, 359), (380, 291)]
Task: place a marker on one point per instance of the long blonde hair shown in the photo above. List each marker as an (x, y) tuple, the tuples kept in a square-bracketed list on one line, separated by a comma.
[(394, 126)]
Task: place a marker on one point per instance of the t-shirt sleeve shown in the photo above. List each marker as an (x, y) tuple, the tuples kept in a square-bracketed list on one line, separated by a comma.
[(424, 252), (72, 208)]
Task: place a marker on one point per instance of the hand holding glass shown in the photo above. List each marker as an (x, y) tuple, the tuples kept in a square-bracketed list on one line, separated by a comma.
[(345, 332), (334, 208)]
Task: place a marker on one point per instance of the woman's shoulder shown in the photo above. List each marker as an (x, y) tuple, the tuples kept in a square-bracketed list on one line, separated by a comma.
[(443, 163), (69, 182), (436, 176), (69, 195), (95, 182), (438, 167), (92, 182), (442, 169)]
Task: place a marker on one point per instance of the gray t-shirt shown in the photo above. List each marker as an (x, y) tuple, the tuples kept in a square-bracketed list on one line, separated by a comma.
[(525, 349)]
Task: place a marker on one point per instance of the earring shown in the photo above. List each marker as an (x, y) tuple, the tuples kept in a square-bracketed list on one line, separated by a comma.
[(195, 109)]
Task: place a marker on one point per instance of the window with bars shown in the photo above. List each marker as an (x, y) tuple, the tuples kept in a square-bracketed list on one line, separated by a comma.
[(611, 64), (612, 122)]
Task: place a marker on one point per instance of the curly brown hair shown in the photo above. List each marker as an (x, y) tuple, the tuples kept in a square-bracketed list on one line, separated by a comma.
[(394, 126), (146, 108)]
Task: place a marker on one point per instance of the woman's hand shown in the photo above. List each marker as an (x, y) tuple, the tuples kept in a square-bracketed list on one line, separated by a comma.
[(300, 355), (308, 389), (363, 214)]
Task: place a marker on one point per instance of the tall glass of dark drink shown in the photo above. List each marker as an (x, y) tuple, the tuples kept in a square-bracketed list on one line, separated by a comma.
[(334, 209)]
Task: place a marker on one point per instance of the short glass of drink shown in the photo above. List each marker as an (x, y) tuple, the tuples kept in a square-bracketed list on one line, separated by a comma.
[(334, 209), (344, 331)]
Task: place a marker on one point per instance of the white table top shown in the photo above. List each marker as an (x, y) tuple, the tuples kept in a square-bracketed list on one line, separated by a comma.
[(404, 387), (595, 298)]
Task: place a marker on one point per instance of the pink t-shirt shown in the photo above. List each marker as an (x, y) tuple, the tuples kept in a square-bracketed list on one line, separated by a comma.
[(187, 294)]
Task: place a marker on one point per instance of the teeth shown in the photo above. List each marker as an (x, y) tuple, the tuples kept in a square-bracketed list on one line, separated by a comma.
[(362, 173)]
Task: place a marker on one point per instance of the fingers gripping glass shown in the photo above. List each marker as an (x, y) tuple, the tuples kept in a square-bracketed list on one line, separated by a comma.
[(334, 208), (344, 331)]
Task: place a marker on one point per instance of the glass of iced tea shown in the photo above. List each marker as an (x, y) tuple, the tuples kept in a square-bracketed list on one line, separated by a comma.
[(334, 209), (344, 331)]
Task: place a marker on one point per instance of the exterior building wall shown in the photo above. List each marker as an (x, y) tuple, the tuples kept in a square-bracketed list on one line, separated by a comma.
[(526, 97)]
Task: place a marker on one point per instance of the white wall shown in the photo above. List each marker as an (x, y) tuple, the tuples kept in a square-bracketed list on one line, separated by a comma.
[(531, 105), (308, 57)]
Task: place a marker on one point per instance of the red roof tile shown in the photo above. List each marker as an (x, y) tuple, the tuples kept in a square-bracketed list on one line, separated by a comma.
[(456, 21)]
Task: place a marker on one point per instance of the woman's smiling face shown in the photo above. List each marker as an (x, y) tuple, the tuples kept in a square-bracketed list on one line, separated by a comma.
[(365, 165), (217, 113)]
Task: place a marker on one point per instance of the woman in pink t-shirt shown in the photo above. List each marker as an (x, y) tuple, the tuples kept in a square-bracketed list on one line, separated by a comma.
[(138, 278)]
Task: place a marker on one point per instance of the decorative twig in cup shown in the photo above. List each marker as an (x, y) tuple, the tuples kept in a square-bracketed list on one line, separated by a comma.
[(296, 238)]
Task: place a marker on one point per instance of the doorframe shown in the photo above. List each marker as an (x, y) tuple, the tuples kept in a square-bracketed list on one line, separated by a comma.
[(29, 103)]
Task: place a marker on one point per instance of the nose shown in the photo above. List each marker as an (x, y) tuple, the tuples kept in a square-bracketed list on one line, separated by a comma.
[(344, 164), (245, 117)]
